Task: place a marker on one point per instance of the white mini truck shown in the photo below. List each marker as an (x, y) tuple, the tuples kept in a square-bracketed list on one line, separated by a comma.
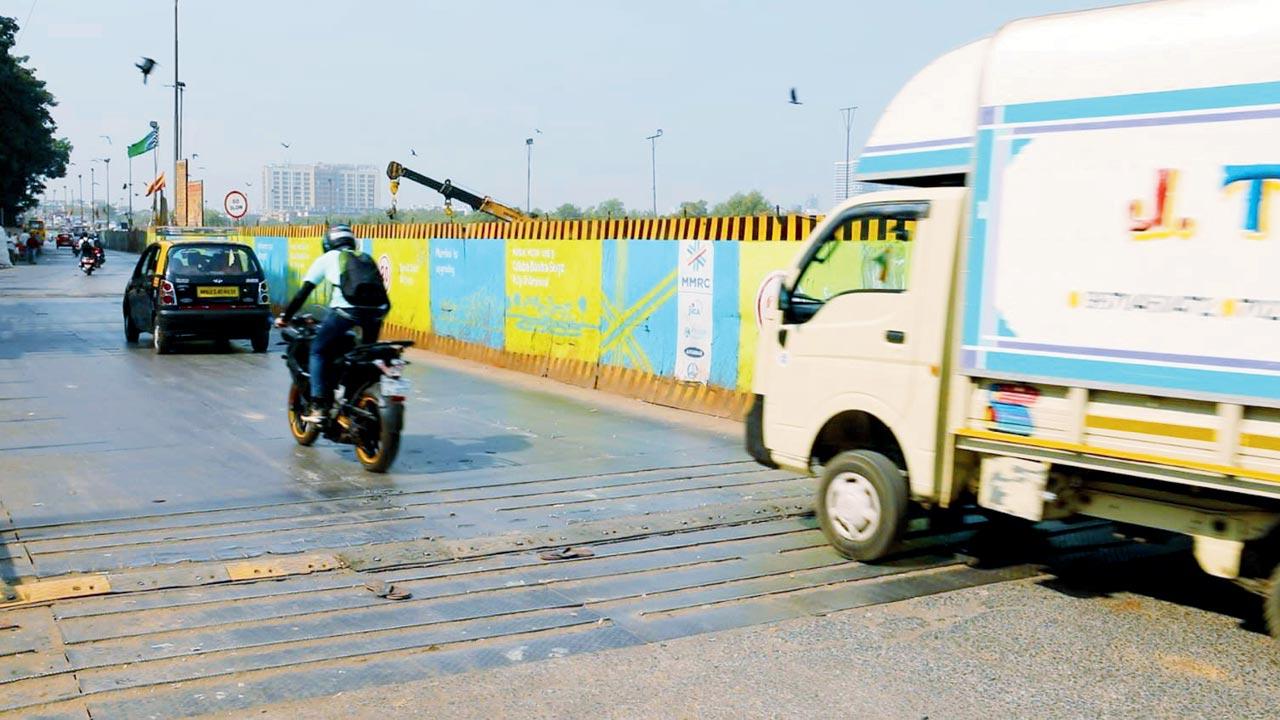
[(1071, 306)]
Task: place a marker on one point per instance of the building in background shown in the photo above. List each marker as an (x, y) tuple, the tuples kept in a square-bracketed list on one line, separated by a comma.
[(840, 190), (291, 191)]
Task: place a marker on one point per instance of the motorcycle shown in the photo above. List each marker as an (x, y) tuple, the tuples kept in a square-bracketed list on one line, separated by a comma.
[(368, 411), (99, 256), (88, 264)]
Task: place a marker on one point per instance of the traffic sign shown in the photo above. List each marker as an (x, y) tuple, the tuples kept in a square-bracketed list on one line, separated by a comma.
[(236, 204)]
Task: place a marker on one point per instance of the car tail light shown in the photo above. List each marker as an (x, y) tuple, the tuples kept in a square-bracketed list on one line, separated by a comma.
[(264, 297), (168, 296)]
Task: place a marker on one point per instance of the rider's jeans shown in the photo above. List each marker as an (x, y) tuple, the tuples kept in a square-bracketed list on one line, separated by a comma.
[(335, 325)]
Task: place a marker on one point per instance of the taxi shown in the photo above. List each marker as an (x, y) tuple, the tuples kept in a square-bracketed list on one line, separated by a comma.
[(196, 283)]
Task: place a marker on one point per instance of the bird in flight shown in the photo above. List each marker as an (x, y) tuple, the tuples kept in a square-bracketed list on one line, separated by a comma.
[(284, 145), (146, 66), (413, 152), (108, 138), (794, 99)]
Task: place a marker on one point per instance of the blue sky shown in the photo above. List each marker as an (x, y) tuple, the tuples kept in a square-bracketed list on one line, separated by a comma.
[(465, 83)]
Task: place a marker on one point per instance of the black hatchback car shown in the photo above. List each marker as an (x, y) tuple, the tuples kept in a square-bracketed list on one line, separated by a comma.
[(198, 286)]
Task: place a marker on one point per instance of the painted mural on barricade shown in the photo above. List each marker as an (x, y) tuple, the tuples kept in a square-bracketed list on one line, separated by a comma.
[(553, 298), (639, 309), (468, 292), (684, 308), (406, 272)]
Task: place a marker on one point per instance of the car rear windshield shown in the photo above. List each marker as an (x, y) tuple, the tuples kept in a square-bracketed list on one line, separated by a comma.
[(212, 260)]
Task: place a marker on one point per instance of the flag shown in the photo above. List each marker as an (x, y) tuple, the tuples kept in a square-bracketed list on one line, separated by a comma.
[(156, 185), (145, 144)]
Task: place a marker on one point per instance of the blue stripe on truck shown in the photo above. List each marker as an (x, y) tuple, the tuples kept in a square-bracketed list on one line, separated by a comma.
[(919, 160), (1185, 100)]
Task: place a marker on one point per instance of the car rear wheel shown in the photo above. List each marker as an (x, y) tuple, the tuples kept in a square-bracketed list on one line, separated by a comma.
[(303, 432), (161, 340), (131, 331), (261, 341)]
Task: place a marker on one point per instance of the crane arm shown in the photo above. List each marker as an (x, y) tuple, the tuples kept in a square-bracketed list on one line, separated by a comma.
[(485, 204)]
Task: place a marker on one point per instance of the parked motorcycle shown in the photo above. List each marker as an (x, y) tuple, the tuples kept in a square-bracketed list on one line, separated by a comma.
[(369, 409)]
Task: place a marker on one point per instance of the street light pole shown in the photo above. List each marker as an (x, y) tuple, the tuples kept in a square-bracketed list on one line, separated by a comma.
[(653, 152), (848, 126), (528, 172), (80, 177), (93, 197), (177, 92)]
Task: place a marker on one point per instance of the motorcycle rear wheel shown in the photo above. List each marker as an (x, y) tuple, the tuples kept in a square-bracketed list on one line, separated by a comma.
[(377, 444), (303, 432)]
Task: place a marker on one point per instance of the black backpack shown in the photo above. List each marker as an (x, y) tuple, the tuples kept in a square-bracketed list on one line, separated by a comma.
[(360, 281)]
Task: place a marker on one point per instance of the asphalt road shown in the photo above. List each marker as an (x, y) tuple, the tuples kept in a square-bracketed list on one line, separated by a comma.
[(230, 569)]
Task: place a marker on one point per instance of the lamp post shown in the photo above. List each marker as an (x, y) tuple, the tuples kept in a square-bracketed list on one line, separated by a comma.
[(177, 93), (93, 197), (528, 172), (107, 162), (848, 113), (80, 178), (653, 151)]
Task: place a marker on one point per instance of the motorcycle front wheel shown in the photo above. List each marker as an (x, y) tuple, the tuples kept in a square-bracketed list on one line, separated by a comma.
[(378, 439), (304, 433)]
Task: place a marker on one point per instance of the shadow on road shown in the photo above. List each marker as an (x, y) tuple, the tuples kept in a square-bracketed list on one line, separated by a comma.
[(429, 454)]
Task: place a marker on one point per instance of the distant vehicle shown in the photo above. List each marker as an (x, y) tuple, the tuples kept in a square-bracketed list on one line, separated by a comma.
[(1069, 308), (194, 283), (64, 239), (35, 227)]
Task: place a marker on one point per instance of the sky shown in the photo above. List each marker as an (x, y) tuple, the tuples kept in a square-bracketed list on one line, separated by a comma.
[(464, 83)]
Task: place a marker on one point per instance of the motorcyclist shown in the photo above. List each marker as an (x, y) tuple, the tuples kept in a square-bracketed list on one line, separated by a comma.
[(85, 247), (342, 317)]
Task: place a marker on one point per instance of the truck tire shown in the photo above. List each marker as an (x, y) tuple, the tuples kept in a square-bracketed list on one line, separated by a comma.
[(1271, 604), (862, 504)]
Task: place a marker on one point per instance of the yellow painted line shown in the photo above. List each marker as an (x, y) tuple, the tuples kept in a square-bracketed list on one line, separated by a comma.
[(1260, 442), (1148, 427), (1229, 470)]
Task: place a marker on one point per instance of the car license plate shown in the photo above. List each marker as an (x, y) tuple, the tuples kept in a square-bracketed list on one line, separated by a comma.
[(395, 387), (218, 292)]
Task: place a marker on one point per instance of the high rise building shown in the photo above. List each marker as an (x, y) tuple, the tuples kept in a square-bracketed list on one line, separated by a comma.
[(847, 185), (301, 190)]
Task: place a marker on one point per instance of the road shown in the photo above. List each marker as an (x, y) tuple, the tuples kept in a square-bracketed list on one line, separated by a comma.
[(230, 568)]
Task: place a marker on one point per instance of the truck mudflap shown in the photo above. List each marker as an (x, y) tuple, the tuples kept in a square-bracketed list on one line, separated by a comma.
[(755, 434)]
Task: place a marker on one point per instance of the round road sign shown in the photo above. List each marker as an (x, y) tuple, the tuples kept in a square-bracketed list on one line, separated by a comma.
[(236, 204)]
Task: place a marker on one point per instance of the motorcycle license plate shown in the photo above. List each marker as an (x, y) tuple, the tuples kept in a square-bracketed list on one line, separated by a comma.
[(395, 387), (218, 292)]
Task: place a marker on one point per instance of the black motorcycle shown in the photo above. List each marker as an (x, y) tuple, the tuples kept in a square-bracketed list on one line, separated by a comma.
[(368, 412), (88, 264)]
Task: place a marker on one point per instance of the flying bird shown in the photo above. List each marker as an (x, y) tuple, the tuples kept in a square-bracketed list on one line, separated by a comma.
[(146, 66), (413, 152), (795, 100), (284, 145), (108, 137)]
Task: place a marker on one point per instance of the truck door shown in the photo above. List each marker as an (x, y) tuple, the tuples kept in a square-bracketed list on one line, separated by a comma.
[(862, 323)]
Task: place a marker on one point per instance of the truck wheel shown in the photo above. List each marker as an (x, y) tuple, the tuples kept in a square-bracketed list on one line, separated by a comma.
[(1271, 605), (862, 504)]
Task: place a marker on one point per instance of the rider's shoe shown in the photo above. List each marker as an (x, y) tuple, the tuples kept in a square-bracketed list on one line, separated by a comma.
[(315, 413)]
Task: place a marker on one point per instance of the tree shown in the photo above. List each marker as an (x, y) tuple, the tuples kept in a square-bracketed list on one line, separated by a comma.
[(567, 211), (29, 152), (752, 203), (611, 208), (693, 208)]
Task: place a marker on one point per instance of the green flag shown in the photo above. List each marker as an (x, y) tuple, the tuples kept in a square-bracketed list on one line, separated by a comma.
[(146, 144)]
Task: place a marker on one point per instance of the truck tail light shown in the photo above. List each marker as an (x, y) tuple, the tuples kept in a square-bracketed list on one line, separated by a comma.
[(168, 296)]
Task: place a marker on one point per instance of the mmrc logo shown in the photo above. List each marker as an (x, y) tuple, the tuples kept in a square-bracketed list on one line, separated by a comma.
[(696, 253)]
